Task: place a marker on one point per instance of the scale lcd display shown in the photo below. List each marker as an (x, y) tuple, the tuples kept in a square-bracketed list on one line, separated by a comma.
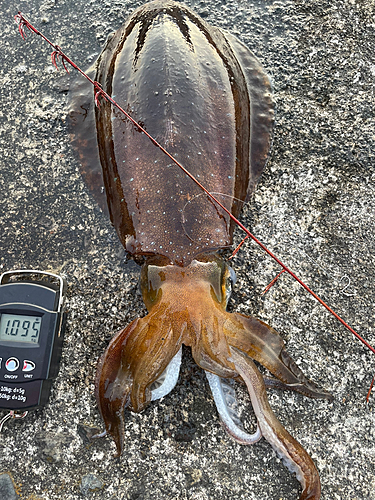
[(20, 328)]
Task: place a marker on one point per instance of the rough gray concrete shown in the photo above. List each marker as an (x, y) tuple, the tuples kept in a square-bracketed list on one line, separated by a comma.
[(314, 207)]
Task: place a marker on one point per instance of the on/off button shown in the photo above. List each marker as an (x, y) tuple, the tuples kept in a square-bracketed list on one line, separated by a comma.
[(12, 364)]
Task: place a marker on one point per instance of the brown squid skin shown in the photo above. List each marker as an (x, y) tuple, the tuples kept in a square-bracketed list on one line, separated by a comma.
[(204, 97), (287, 448)]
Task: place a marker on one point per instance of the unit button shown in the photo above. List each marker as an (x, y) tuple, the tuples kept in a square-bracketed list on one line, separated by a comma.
[(28, 366), (12, 364)]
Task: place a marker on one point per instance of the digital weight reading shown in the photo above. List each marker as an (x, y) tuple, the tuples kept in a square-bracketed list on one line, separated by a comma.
[(20, 328), (32, 321)]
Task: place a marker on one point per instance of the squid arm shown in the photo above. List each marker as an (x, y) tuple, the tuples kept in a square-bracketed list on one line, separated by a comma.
[(134, 359), (264, 345), (287, 448)]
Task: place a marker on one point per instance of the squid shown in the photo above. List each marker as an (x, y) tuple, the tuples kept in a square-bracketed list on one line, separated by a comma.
[(206, 98)]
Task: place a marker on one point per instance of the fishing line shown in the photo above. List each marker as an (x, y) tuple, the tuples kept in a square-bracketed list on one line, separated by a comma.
[(58, 54)]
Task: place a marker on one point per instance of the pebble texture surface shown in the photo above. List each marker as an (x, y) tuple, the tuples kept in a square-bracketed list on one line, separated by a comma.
[(314, 207)]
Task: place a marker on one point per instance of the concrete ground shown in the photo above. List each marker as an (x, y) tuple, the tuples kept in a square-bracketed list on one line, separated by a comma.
[(314, 207)]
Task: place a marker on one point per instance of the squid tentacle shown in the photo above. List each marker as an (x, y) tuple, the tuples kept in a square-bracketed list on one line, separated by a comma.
[(229, 418), (287, 448)]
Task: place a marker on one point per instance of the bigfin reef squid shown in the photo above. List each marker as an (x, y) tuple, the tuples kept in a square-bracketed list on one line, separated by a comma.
[(206, 98)]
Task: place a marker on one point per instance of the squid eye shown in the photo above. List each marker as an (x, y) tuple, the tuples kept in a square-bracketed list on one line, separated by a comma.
[(229, 284)]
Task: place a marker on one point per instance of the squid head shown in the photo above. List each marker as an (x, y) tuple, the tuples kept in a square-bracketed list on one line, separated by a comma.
[(186, 305)]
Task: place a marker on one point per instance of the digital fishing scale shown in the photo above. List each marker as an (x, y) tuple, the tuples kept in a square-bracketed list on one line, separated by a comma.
[(32, 322)]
